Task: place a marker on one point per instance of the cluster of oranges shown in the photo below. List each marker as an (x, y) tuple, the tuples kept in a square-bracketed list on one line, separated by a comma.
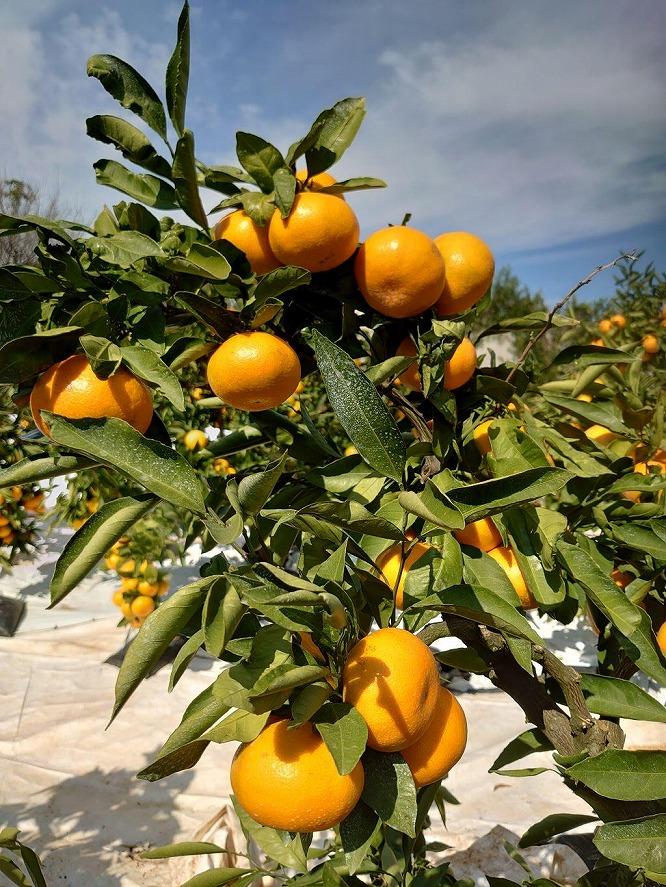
[(610, 327), (396, 562), (140, 584), (286, 778), (20, 499)]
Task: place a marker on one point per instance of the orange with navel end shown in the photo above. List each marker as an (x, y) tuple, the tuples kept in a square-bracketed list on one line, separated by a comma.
[(458, 369), (482, 438), (469, 266), (506, 558), (239, 229), (389, 563), (142, 606), (399, 271), (71, 389), (391, 679), (481, 534), (287, 779), (605, 325), (650, 344), (320, 233), (254, 371), (316, 182), (443, 743), (619, 321)]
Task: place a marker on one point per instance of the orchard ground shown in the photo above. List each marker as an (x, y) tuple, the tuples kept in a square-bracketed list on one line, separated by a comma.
[(71, 787)]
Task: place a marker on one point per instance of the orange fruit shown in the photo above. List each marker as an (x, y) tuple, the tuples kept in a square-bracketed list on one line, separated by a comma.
[(468, 271), (239, 229), (601, 435), (391, 678), (126, 568), (621, 578), (163, 587), (129, 583), (481, 534), (142, 606), (150, 589), (389, 563), (126, 610), (619, 321), (254, 371), (17, 494), (71, 389), (316, 182), (287, 779), (118, 598), (310, 647), (399, 271), (5, 531), (350, 450), (78, 522), (650, 344), (605, 325), (661, 638), (507, 560), (443, 743), (482, 438), (195, 439), (112, 561), (320, 233), (3, 520), (598, 343), (9, 538), (458, 370), (92, 505), (644, 469)]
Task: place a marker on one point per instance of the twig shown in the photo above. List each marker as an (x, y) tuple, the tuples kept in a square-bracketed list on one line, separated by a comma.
[(549, 321)]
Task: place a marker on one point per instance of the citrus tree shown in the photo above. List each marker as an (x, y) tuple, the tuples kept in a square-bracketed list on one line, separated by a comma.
[(469, 495)]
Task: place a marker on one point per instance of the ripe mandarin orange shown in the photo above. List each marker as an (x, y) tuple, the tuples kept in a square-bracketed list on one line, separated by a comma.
[(71, 389), (239, 229), (287, 779), (399, 271), (443, 743), (468, 270), (482, 438), (320, 233), (391, 678), (389, 563), (458, 369), (619, 321), (317, 181), (661, 638), (142, 606), (605, 325), (482, 534), (505, 557), (254, 371), (650, 344)]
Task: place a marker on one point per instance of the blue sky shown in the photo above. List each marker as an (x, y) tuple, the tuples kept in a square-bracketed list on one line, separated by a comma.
[(539, 126)]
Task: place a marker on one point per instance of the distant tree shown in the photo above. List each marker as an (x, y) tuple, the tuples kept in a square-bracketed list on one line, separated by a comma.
[(20, 198)]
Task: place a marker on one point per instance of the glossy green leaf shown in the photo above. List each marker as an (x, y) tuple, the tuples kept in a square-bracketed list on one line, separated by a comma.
[(345, 733), (89, 544), (178, 72), (36, 468), (143, 187), (337, 127), (624, 775), (287, 853), (360, 409), (550, 826), (254, 489), (490, 497), (185, 179), (155, 466), (23, 358), (284, 184), (258, 158), (147, 365), (124, 248), (217, 877), (615, 698), (389, 790), (184, 848), (527, 743), (129, 88), (357, 184), (356, 835), (214, 315), (638, 843), (130, 141)]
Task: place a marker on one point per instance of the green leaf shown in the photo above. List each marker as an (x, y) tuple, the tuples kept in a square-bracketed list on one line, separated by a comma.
[(150, 463), (360, 409), (11, 871), (239, 726), (140, 186), (631, 621), (345, 733), (280, 281), (148, 366), (309, 700), (554, 824), (217, 877), (155, 635), (219, 319), (490, 497), (356, 184), (527, 743), (597, 413), (624, 775), (389, 790), (284, 183), (259, 158), (89, 544), (35, 468), (21, 359), (638, 843), (643, 539), (269, 840), (536, 320), (185, 179), (185, 848), (209, 261), (615, 698), (184, 656), (464, 659), (357, 832), (130, 141), (432, 506), (104, 356), (255, 489), (178, 72), (590, 355), (129, 88), (336, 129), (522, 526), (124, 248), (32, 864), (223, 611)]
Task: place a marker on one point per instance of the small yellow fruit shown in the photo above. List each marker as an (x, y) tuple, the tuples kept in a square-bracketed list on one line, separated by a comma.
[(163, 587), (650, 344), (619, 321), (316, 182), (197, 393), (126, 610), (351, 450), (389, 563), (195, 439), (601, 435), (150, 589), (126, 568), (142, 606), (118, 598), (111, 561), (481, 534), (508, 561), (481, 437), (661, 638), (605, 326)]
